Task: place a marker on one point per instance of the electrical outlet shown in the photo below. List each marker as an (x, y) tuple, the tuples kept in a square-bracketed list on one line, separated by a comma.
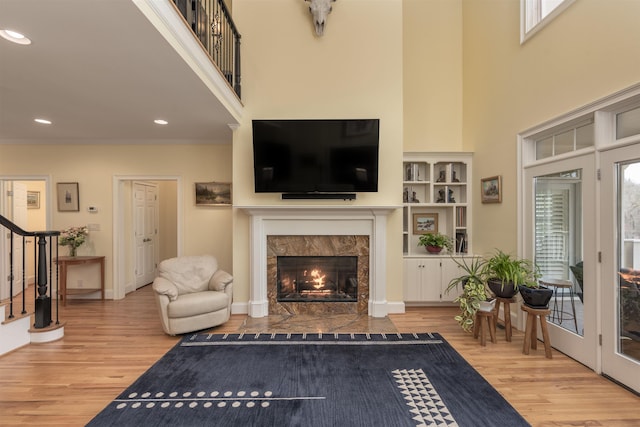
[(93, 227)]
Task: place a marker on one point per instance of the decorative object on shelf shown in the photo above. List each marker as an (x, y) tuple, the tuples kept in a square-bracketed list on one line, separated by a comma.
[(441, 196), (435, 242), (213, 194), (68, 197), (414, 198), (491, 189), (454, 178), (451, 199), (442, 177), (33, 200), (73, 237), (505, 274), (409, 174), (405, 195), (425, 223), (474, 293)]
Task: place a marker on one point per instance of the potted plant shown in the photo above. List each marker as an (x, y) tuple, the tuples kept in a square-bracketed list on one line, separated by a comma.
[(535, 295), (435, 242), (474, 296), (505, 274)]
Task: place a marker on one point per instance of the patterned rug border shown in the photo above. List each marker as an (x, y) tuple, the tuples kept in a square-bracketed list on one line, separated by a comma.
[(311, 338)]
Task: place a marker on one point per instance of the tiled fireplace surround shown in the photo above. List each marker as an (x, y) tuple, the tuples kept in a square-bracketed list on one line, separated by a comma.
[(318, 230)]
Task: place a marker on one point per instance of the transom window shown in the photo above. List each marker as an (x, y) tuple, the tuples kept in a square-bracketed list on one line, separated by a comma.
[(535, 14), (565, 140)]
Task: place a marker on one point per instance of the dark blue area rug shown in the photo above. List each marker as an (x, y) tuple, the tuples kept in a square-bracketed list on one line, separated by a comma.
[(310, 380)]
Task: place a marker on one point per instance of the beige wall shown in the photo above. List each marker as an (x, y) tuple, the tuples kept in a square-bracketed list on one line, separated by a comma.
[(206, 230), (588, 52), (353, 71), (432, 64)]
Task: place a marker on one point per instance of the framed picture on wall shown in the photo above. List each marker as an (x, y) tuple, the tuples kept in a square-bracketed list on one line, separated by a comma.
[(68, 197), (33, 200), (213, 194), (491, 189), (425, 223)]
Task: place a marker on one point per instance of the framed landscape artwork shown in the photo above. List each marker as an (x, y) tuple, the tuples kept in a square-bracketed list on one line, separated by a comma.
[(425, 223), (213, 194), (33, 200), (491, 189)]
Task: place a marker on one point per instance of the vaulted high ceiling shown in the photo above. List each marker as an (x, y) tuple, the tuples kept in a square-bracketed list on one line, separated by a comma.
[(100, 71)]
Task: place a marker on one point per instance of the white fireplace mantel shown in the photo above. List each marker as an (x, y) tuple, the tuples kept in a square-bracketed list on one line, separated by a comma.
[(318, 220)]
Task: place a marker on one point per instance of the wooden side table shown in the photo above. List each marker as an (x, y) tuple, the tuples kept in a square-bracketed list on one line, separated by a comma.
[(485, 320), (531, 333), (506, 302), (66, 261)]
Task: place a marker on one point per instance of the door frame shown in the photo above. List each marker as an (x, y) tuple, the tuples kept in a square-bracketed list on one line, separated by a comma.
[(583, 348), (613, 364), (3, 206), (120, 241)]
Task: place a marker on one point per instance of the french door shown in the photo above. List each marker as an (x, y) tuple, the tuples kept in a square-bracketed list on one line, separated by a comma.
[(559, 209), (620, 272)]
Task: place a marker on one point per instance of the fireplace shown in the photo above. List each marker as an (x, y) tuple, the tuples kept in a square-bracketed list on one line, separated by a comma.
[(318, 230), (317, 278), (311, 274)]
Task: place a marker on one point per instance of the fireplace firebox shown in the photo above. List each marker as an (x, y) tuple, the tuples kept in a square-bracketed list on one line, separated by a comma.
[(317, 278)]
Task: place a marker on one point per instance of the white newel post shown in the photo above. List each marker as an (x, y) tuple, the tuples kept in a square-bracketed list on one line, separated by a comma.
[(318, 220)]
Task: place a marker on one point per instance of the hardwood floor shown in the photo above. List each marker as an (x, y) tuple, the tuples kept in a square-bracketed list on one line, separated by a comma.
[(108, 344)]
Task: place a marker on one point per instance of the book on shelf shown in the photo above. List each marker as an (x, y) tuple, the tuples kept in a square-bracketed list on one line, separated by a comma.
[(461, 242)]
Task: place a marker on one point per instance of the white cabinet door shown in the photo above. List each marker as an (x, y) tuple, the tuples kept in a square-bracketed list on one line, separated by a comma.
[(450, 270), (431, 279), (422, 280)]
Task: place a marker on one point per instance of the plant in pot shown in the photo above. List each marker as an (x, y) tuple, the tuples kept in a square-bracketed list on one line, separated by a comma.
[(435, 242), (505, 274), (474, 295)]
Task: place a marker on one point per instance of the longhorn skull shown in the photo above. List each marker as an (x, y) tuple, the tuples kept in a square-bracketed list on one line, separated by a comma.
[(320, 9)]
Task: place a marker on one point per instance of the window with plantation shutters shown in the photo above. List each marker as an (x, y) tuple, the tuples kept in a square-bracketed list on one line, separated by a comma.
[(552, 232)]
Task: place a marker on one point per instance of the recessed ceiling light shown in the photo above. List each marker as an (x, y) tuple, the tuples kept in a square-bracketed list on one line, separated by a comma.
[(14, 36), (160, 122), (42, 121)]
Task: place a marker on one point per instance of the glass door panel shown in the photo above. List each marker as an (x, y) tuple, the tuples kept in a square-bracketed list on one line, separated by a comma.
[(558, 245), (620, 273)]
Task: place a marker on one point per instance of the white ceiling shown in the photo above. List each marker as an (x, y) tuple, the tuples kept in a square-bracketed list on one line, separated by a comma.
[(100, 71)]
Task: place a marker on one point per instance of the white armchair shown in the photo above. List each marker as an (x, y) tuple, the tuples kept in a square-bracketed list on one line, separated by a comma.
[(192, 294)]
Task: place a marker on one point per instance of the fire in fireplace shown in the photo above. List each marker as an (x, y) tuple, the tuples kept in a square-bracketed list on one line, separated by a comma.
[(317, 278)]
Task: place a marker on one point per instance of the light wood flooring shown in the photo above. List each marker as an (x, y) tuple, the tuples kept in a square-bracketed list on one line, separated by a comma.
[(108, 344)]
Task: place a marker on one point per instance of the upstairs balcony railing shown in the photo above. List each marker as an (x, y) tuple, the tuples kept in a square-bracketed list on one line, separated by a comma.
[(211, 22), (45, 253)]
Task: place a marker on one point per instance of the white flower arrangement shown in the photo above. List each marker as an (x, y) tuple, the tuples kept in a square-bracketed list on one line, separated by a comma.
[(73, 237)]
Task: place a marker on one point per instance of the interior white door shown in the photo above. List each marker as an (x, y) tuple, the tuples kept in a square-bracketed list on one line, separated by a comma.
[(620, 273), (146, 235), (20, 219), (556, 248)]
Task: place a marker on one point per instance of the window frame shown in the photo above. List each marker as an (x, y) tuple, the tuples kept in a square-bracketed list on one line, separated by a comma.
[(528, 7)]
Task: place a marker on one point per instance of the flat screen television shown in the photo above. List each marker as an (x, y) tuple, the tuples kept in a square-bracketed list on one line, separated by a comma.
[(315, 156)]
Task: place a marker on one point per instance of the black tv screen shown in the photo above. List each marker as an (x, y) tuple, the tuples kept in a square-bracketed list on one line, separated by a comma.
[(315, 156)]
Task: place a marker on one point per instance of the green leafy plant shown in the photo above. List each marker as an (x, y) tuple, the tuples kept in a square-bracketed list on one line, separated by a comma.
[(473, 290), (436, 239), (509, 270)]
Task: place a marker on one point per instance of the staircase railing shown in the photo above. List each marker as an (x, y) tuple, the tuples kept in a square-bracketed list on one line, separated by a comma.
[(211, 22), (44, 256)]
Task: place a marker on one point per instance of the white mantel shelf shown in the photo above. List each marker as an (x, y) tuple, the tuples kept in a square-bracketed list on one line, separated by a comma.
[(318, 220)]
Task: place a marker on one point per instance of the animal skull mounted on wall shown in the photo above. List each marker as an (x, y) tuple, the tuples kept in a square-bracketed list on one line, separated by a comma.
[(320, 9)]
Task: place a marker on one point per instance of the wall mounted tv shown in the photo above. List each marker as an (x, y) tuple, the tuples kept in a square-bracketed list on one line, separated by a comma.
[(315, 158)]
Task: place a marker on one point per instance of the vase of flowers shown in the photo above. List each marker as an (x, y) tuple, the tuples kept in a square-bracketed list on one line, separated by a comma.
[(73, 237)]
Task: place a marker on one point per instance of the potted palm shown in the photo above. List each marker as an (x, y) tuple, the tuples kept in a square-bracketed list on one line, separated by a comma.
[(474, 296), (505, 274), (435, 242)]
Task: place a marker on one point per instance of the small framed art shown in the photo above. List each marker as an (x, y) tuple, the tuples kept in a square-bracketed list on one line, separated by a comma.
[(491, 189), (68, 197), (213, 194), (425, 223)]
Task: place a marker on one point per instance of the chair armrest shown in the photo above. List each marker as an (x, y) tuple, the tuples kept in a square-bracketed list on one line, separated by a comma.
[(164, 287), (220, 280)]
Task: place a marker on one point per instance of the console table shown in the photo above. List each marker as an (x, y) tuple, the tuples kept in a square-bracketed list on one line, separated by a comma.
[(66, 261)]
